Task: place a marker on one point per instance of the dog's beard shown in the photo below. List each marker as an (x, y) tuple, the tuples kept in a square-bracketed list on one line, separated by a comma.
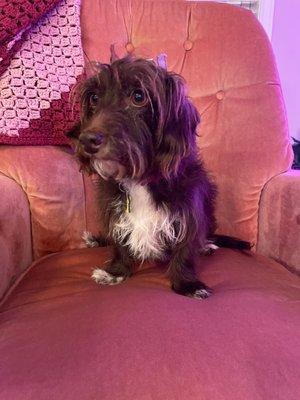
[(105, 162), (109, 169), (131, 162)]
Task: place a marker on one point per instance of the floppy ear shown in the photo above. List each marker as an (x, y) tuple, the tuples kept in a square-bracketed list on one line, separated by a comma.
[(178, 121)]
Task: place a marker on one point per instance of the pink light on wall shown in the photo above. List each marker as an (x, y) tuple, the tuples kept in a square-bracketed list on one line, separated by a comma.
[(286, 45)]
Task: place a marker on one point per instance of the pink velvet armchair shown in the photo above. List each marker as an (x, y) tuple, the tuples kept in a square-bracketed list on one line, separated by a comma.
[(64, 337)]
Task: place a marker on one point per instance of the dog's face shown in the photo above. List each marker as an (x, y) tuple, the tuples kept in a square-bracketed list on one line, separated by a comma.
[(136, 121)]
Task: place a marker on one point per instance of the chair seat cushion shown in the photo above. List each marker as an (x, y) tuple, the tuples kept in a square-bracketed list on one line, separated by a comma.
[(62, 336)]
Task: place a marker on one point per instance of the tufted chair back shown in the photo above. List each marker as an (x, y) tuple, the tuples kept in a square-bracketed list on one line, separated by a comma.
[(226, 58)]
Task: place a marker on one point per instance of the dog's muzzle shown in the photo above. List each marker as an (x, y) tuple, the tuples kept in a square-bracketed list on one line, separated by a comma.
[(90, 141)]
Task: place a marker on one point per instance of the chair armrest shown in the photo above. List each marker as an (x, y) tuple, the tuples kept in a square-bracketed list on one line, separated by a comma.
[(279, 220), (15, 233)]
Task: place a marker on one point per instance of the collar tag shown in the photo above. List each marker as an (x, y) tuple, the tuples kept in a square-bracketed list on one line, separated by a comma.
[(128, 203)]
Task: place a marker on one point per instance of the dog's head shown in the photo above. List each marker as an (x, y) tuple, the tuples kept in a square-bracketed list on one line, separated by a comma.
[(136, 121)]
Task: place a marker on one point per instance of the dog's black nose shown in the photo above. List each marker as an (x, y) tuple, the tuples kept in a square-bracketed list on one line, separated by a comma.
[(91, 141)]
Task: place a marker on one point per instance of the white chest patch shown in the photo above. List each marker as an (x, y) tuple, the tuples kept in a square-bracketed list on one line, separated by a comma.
[(146, 228)]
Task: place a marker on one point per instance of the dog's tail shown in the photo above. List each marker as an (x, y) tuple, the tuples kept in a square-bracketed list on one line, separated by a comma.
[(231, 242)]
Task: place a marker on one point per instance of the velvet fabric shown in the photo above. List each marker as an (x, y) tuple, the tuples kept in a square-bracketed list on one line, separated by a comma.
[(54, 187), (15, 232), (279, 220), (46, 206), (64, 337)]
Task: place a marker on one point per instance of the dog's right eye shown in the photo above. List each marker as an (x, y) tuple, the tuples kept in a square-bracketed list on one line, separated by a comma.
[(94, 99), (138, 98)]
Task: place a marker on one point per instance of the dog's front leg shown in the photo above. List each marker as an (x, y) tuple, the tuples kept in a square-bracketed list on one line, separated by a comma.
[(182, 274), (120, 268)]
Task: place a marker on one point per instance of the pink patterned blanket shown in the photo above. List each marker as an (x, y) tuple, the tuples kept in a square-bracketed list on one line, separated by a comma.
[(40, 62)]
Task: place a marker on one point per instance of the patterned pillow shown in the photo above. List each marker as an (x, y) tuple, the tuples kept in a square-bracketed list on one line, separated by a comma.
[(40, 62)]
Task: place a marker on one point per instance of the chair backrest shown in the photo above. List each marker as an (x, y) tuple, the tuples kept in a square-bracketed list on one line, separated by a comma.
[(226, 58)]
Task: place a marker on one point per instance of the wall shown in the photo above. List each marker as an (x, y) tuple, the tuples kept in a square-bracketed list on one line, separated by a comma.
[(286, 45)]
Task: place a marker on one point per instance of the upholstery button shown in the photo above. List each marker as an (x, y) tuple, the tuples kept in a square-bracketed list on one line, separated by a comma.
[(129, 47), (220, 95), (188, 44)]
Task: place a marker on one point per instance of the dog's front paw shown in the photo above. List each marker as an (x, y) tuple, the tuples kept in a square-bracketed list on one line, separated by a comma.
[(209, 248), (104, 278), (89, 239), (195, 289), (201, 293)]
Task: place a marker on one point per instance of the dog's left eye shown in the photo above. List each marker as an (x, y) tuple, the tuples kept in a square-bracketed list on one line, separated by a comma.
[(138, 98), (94, 98)]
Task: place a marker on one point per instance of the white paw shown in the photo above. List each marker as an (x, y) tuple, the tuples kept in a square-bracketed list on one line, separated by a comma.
[(209, 248), (202, 293), (89, 239), (104, 278)]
